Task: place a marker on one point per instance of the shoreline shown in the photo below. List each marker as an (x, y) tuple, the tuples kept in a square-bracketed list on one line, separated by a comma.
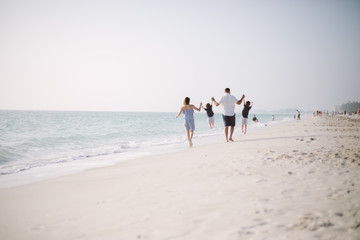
[(58, 169), (298, 180)]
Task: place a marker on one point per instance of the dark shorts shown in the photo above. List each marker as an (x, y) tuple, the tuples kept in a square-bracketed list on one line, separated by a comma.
[(229, 121)]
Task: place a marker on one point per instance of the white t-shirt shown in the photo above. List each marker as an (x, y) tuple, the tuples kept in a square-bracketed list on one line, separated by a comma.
[(228, 103)]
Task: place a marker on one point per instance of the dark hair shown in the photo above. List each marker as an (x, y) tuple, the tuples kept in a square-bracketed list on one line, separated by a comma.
[(208, 105), (227, 90), (247, 103), (187, 101)]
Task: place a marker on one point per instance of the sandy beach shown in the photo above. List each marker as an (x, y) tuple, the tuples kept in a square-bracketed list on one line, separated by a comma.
[(298, 180)]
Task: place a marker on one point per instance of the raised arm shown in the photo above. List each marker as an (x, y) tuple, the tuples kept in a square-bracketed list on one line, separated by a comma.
[(216, 103), (197, 109), (242, 98)]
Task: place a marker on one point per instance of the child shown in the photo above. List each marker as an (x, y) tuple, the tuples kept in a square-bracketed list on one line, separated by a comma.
[(210, 114), (245, 114), (188, 110)]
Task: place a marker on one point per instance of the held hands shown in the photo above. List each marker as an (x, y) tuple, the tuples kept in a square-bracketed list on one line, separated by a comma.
[(198, 109)]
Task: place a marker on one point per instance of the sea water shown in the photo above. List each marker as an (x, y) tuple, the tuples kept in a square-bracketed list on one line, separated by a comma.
[(35, 139)]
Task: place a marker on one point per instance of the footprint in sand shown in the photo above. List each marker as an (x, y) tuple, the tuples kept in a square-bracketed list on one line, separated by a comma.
[(311, 223)]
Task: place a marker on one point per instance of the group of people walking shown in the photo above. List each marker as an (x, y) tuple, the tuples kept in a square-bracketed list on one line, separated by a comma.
[(228, 102)]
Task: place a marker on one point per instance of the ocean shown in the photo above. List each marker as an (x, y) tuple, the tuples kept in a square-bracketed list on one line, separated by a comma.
[(32, 140)]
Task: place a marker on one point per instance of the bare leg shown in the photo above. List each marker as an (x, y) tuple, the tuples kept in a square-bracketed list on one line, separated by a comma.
[(245, 128), (226, 133), (242, 128), (231, 133), (189, 136)]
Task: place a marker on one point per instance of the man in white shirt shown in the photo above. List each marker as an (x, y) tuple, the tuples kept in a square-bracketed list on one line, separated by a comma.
[(228, 102)]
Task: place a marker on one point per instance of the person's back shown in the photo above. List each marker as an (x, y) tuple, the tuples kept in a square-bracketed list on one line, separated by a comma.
[(228, 103), (245, 114), (188, 110), (189, 114), (209, 111), (210, 114), (245, 111)]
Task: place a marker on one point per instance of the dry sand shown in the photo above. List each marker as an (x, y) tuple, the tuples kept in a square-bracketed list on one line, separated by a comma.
[(299, 180)]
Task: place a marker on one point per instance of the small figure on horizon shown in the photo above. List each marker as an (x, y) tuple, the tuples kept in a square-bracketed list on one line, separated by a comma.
[(245, 114), (189, 123), (228, 102), (273, 118), (298, 114), (255, 119), (210, 114)]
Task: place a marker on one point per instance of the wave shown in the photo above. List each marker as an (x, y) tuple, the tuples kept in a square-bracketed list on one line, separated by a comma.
[(35, 139), (12, 162)]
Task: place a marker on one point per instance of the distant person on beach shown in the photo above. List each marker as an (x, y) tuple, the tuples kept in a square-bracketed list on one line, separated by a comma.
[(273, 118), (245, 114), (255, 119), (228, 102), (298, 114), (210, 114), (188, 110)]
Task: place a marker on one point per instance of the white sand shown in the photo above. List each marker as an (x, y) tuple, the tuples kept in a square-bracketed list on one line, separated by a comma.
[(300, 180)]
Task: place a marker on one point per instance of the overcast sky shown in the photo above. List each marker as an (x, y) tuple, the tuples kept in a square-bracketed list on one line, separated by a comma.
[(148, 55)]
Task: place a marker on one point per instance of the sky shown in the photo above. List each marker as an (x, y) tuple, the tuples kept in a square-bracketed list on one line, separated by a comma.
[(149, 55)]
